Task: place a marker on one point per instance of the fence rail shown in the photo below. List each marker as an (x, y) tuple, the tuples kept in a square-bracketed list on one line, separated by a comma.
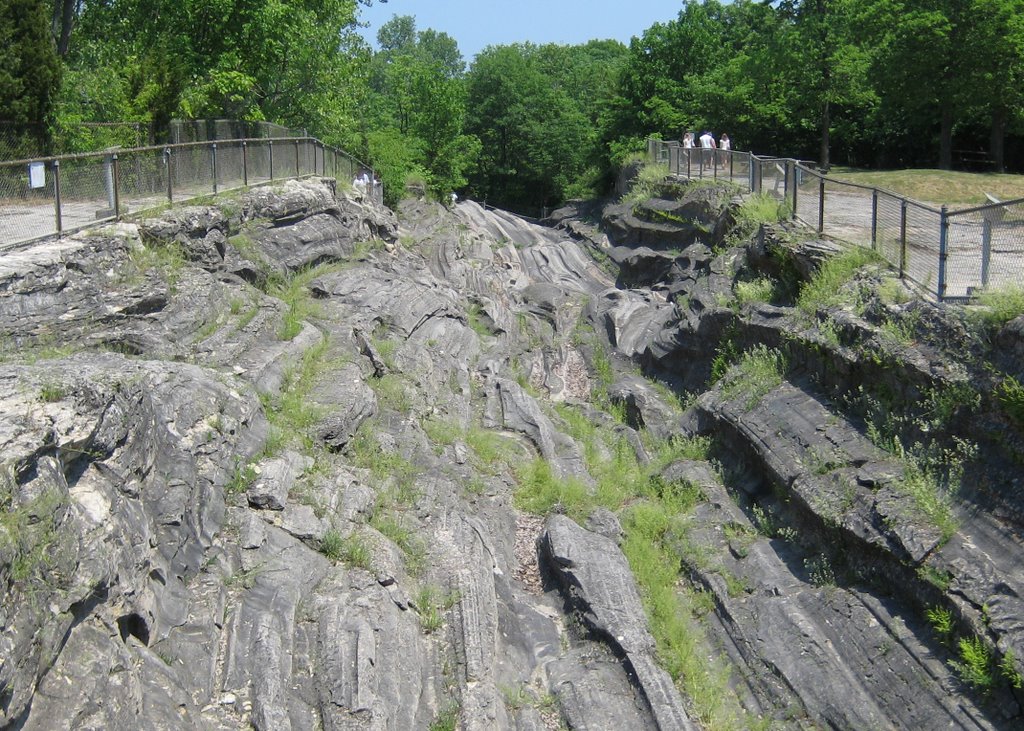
[(45, 196), (951, 254)]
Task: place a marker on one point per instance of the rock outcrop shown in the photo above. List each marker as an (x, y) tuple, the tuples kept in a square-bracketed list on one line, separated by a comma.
[(295, 461)]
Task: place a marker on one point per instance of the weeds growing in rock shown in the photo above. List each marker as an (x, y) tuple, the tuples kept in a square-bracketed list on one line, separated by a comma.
[(242, 477), (390, 390), (758, 290), (1010, 394), (825, 288), (294, 292), (941, 620), (1000, 305), (431, 603), (975, 664), (291, 412), (51, 392), (1008, 669), (758, 371), (447, 718), (648, 181), (332, 545)]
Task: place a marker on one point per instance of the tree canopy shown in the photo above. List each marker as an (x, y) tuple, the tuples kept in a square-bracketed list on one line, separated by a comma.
[(862, 82)]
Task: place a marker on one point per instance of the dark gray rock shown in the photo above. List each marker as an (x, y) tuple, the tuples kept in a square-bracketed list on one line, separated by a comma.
[(597, 583)]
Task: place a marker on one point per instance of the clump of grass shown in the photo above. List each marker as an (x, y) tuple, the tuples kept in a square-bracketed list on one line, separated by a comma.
[(52, 392), (999, 306), (332, 545), (757, 209), (758, 371), (242, 477), (645, 186), (489, 447), (447, 718), (477, 319), (431, 603), (441, 432), (291, 412), (541, 491), (759, 290), (390, 390), (28, 532), (168, 259), (825, 287), (366, 451), (682, 647), (294, 292)]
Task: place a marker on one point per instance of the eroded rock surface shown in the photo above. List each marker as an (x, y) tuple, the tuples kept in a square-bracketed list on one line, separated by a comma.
[(266, 464)]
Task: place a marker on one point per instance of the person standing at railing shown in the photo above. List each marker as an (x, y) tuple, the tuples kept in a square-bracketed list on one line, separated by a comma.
[(707, 143), (725, 146)]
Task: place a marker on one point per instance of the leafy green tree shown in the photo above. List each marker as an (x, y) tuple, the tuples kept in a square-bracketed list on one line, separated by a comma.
[(417, 100), (535, 138), (29, 72)]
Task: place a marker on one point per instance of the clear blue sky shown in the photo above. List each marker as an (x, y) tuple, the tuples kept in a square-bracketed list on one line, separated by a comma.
[(475, 24)]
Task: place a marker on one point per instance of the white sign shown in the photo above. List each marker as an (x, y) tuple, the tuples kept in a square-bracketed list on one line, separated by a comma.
[(36, 175)]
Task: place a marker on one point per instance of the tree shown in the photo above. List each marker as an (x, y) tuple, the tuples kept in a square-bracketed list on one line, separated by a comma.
[(417, 103), (535, 139), (29, 72)]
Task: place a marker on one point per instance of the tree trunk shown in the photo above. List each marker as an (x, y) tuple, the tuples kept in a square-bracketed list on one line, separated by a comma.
[(64, 12), (995, 144), (946, 138)]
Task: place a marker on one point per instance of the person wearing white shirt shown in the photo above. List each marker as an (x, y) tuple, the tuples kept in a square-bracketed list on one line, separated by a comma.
[(707, 143)]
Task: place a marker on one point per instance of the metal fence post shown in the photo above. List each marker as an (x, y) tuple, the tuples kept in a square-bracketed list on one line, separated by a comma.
[(730, 165), (874, 219), (170, 183), (245, 164), (297, 173), (786, 178), (986, 249), (821, 204), (270, 145), (117, 186), (903, 236), (943, 252), (56, 197), (796, 187), (213, 159)]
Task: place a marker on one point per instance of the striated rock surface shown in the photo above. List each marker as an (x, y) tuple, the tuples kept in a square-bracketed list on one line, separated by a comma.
[(296, 461)]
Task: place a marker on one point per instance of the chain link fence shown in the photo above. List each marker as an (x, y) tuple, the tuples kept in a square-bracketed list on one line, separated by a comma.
[(952, 255), (55, 195)]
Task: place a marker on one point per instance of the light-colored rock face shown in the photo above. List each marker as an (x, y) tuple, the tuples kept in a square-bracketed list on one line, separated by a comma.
[(259, 464)]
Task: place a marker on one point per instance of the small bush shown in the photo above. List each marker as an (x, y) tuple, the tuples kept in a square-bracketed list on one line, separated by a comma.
[(649, 178), (541, 492)]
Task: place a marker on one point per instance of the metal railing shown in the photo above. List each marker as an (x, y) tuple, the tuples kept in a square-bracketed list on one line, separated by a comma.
[(56, 195), (951, 254)]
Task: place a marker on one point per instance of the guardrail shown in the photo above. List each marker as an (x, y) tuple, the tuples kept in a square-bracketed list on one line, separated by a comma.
[(56, 195), (951, 254)]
